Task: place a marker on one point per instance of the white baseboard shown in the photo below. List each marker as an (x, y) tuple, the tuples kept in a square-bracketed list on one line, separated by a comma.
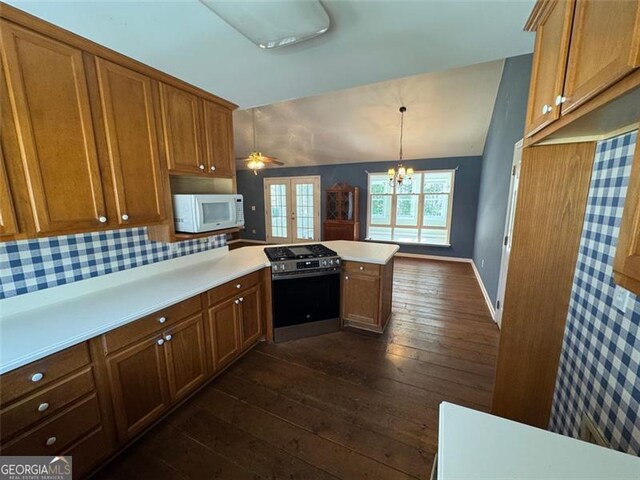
[(434, 257), (487, 299)]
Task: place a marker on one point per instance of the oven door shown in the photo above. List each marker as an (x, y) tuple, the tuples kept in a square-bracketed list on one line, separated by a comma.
[(303, 300)]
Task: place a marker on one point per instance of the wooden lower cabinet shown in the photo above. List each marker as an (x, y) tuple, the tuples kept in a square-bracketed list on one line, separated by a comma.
[(223, 327), (251, 316), (138, 381), (186, 358), (366, 295)]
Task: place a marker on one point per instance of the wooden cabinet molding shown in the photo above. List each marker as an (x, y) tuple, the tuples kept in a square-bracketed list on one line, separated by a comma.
[(8, 222), (626, 266)]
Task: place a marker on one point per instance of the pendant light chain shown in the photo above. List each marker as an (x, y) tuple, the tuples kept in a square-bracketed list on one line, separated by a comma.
[(403, 175), (402, 110)]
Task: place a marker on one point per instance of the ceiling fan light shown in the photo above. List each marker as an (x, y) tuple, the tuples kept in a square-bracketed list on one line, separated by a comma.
[(273, 24)]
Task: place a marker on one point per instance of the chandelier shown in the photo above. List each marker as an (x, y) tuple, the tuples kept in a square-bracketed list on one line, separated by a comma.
[(255, 162), (403, 175)]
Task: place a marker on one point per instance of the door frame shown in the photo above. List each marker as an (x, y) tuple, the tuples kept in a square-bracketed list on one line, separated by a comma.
[(508, 229), (290, 182)]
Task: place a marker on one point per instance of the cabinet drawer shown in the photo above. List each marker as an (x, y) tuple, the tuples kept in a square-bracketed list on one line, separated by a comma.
[(233, 287), (361, 268), (45, 403), (27, 379), (62, 430), (127, 334), (88, 452)]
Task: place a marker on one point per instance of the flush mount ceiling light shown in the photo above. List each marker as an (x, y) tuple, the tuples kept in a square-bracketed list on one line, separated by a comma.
[(273, 24), (403, 175)]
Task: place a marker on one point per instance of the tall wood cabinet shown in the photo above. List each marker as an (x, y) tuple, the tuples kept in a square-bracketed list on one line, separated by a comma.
[(342, 217), (52, 113), (552, 195)]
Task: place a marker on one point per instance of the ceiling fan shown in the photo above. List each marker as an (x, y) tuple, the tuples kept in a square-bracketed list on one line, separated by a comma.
[(256, 160)]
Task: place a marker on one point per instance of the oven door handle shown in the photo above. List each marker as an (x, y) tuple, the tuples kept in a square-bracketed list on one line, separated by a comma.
[(304, 275)]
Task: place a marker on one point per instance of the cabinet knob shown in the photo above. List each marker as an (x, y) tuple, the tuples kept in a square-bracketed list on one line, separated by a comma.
[(36, 377), (43, 407), (213, 168), (51, 441), (160, 341), (546, 109), (162, 319), (102, 219), (361, 268), (346, 277), (237, 301), (560, 100), (201, 167), (238, 286), (125, 217), (168, 337), (241, 299)]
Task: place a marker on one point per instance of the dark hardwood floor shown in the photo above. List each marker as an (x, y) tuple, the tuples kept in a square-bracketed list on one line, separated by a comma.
[(347, 405)]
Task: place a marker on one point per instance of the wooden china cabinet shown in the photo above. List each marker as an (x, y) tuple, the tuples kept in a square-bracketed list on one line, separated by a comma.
[(341, 213)]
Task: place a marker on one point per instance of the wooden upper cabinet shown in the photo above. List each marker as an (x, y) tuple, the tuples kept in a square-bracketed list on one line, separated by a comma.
[(186, 357), (182, 130), (50, 103), (8, 224), (626, 266), (605, 46), (218, 135), (132, 144), (549, 62)]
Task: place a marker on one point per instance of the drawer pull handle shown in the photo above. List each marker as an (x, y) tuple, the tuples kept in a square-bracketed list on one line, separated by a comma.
[(238, 286), (36, 377), (361, 268), (51, 441), (162, 319), (43, 407)]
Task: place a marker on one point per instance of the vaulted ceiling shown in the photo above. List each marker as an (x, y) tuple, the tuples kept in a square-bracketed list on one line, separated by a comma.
[(368, 41)]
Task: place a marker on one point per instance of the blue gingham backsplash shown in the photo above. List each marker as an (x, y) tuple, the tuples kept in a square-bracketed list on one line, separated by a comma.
[(30, 265), (599, 370)]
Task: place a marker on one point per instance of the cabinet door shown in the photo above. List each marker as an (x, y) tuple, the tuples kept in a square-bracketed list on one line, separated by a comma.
[(134, 164), (181, 121), (186, 357), (50, 101), (8, 224), (549, 64), (360, 298), (218, 134), (223, 332), (137, 377), (605, 46), (627, 261), (251, 315)]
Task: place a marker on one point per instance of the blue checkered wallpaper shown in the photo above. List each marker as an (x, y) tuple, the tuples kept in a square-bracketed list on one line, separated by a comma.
[(30, 265), (599, 371)]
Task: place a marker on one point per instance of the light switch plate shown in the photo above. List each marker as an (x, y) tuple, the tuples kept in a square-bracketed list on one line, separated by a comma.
[(621, 298)]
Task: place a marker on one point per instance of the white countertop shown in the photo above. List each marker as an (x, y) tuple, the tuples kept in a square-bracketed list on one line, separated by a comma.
[(38, 324), (477, 446)]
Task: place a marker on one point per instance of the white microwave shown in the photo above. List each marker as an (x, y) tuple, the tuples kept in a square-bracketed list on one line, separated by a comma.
[(195, 213)]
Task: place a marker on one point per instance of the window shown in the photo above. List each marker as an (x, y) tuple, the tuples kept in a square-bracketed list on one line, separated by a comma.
[(419, 212)]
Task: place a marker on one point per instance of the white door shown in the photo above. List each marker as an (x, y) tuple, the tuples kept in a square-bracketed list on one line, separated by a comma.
[(292, 209), (508, 229)]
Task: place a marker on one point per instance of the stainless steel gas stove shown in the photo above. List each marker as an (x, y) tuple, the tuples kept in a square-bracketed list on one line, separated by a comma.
[(305, 290)]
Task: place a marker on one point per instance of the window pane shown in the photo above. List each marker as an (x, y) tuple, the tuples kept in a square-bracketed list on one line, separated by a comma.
[(278, 194), (381, 209), (407, 210), (438, 182), (436, 210), (379, 183), (411, 186), (380, 233), (304, 211), (433, 236), (407, 235)]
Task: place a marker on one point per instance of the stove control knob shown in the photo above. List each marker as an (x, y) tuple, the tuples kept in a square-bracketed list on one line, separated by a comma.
[(337, 261), (325, 263)]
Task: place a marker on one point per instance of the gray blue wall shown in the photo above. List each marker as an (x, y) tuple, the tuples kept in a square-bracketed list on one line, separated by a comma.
[(506, 128), (465, 197)]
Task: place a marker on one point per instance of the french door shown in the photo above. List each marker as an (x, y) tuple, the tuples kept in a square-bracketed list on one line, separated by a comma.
[(292, 209)]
